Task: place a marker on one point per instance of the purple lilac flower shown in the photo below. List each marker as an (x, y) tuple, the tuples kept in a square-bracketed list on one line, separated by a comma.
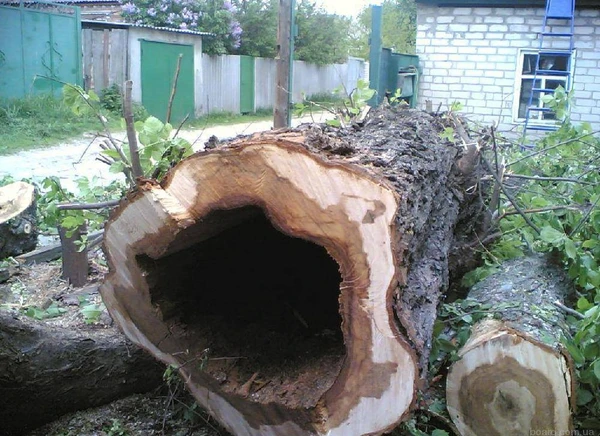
[(235, 29), (183, 26), (171, 18), (229, 7), (129, 8), (152, 12)]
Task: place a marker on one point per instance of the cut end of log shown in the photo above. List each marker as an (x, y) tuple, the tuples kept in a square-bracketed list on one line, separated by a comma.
[(18, 230), (506, 383), (266, 275), (14, 199)]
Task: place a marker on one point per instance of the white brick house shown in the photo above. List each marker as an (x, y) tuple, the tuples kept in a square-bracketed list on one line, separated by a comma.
[(479, 55)]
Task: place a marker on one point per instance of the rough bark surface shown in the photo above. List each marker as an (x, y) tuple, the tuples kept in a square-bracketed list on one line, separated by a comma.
[(513, 377), (235, 261), (18, 229), (49, 371)]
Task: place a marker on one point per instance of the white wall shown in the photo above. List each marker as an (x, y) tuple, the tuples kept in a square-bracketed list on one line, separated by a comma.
[(470, 55)]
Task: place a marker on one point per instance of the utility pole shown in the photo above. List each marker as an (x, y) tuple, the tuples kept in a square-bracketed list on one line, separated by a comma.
[(285, 60)]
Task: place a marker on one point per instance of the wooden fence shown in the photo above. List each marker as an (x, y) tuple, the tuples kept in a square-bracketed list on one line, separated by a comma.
[(107, 60)]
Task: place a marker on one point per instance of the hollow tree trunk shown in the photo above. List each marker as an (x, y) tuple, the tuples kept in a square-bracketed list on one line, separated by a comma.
[(293, 277), (48, 371), (513, 377), (18, 229)]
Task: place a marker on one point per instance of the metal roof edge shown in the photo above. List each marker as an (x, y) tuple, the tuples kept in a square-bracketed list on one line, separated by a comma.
[(121, 24)]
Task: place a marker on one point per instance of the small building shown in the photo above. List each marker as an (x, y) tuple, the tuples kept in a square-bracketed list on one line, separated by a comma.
[(115, 51), (480, 54)]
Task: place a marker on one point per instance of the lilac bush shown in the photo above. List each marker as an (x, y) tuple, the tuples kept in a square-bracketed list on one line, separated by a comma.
[(199, 15)]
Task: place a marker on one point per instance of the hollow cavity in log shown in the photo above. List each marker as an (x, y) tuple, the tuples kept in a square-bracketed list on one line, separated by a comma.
[(252, 300)]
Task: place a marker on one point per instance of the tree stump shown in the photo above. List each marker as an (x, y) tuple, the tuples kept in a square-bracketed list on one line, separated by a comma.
[(18, 228), (513, 376), (48, 371), (293, 277)]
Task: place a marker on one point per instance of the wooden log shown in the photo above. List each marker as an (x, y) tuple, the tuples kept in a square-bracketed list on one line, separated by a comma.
[(513, 376), (48, 371), (18, 229), (293, 277)]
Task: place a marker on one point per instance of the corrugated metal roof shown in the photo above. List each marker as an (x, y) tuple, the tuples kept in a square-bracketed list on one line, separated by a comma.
[(579, 4), (115, 24)]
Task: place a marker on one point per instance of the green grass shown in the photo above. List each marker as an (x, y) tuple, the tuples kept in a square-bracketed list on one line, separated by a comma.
[(38, 121), (41, 121), (227, 118)]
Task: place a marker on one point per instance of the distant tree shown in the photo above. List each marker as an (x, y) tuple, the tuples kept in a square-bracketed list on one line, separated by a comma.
[(399, 28), (323, 38), (215, 16), (258, 18)]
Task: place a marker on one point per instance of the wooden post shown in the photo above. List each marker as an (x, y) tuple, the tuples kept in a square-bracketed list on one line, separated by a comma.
[(281, 112), (74, 262)]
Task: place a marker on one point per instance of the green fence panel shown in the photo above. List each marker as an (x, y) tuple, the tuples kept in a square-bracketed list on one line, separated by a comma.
[(159, 62), (40, 46), (247, 71), (11, 53)]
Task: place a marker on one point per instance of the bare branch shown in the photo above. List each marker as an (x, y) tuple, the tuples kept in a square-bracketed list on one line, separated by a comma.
[(173, 89), (134, 152), (509, 196), (87, 206), (549, 179)]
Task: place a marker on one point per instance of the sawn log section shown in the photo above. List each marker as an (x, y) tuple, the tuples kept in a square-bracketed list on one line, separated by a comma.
[(293, 277)]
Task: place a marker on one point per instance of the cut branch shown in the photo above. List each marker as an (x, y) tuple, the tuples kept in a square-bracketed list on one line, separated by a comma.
[(513, 376), (87, 206)]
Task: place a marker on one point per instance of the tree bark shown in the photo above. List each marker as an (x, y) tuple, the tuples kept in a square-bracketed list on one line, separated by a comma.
[(18, 229), (513, 376), (293, 277), (48, 371)]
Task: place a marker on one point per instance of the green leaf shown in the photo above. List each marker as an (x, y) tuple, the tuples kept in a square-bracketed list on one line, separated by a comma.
[(438, 432), (570, 249), (334, 123), (583, 397), (153, 125), (583, 304), (112, 153), (596, 367), (551, 235), (574, 352), (590, 243)]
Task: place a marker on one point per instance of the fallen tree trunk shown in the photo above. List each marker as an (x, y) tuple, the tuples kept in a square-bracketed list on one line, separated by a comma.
[(48, 371), (293, 277), (18, 229), (513, 376)]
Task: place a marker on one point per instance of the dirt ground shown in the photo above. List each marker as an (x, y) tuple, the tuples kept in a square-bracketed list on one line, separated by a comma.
[(39, 289)]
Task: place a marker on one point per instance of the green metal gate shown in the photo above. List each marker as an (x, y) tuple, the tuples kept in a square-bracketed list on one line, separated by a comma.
[(39, 42), (159, 62), (247, 69)]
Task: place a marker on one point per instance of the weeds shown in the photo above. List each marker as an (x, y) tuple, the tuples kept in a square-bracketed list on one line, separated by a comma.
[(40, 120)]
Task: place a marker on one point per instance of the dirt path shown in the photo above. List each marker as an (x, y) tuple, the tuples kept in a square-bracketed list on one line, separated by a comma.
[(78, 157)]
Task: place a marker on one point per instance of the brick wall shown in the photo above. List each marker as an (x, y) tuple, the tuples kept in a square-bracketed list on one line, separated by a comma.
[(470, 55)]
